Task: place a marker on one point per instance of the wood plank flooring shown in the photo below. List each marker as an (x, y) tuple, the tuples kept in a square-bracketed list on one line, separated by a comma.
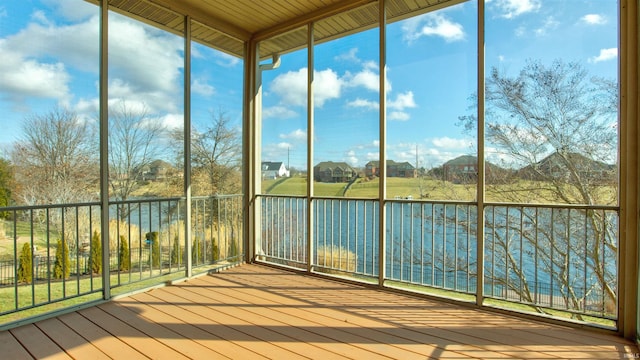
[(257, 312)]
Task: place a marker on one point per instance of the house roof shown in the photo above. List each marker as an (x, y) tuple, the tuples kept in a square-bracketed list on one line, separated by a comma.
[(463, 160), (227, 24), (404, 164), (332, 166), (271, 166), (579, 161)]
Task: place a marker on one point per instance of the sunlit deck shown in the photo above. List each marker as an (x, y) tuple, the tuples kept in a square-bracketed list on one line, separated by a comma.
[(252, 312)]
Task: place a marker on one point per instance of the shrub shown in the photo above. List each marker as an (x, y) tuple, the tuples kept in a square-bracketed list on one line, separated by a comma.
[(95, 257), (176, 251), (25, 267), (196, 251), (155, 248), (233, 250), (215, 251), (62, 265), (124, 260)]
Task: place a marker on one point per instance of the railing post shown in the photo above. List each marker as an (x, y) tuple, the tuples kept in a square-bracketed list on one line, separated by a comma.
[(310, 131), (104, 147), (628, 304), (481, 165), (382, 191), (187, 146)]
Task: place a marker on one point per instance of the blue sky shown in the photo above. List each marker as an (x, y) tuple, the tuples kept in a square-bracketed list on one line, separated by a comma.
[(50, 58), (431, 72)]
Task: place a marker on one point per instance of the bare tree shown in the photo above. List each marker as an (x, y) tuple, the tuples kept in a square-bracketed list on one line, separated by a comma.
[(559, 127), (215, 156), (135, 140), (55, 161)]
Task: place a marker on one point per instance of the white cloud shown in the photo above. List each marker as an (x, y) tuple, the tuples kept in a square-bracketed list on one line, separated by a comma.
[(291, 87), (402, 101), (373, 156), (87, 107), (594, 19), (432, 24), (365, 78), (73, 10), (171, 121), (42, 59), (513, 8), (297, 135), (21, 78), (327, 85), (398, 116), (278, 112), (119, 89), (36, 63), (226, 60), (276, 151), (157, 56), (605, 54), (450, 143), (549, 24), (202, 88), (351, 158), (350, 55), (363, 103)]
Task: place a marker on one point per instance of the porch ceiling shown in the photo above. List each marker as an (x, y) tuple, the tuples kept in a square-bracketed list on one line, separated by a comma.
[(227, 24)]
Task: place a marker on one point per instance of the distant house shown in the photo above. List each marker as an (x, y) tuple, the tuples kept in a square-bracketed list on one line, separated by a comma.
[(157, 170), (274, 170), (461, 170), (394, 169), (329, 171), (560, 167), (464, 170)]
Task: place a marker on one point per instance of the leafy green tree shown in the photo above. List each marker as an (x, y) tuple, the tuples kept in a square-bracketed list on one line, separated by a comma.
[(176, 252), (96, 254), (62, 265), (25, 267), (155, 248), (124, 260), (7, 184)]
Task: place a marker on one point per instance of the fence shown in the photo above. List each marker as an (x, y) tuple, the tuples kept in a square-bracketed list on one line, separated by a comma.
[(554, 257), (146, 240)]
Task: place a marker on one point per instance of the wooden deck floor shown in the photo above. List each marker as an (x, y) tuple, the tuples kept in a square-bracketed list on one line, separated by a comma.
[(256, 312)]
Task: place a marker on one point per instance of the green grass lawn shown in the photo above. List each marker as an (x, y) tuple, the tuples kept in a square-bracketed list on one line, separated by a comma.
[(425, 188), (23, 231), (416, 188), (297, 186)]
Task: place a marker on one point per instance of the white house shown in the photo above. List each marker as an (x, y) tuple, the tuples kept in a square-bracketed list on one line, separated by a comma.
[(274, 170)]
